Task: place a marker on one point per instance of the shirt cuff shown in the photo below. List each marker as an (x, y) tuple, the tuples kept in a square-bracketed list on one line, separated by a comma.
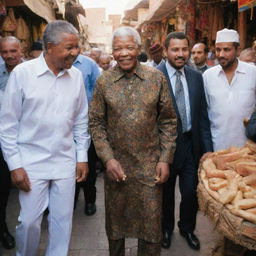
[(14, 162), (166, 157), (81, 156)]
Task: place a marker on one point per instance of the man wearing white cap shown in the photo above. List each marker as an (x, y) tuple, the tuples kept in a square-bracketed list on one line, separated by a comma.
[(230, 89)]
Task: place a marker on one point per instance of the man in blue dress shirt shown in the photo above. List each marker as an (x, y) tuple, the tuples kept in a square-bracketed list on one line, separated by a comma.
[(90, 72)]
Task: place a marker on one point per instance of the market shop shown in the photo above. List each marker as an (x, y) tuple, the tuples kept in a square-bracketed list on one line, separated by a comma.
[(26, 19), (199, 19)]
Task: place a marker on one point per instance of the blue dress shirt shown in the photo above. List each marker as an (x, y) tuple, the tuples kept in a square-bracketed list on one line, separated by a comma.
[(90, 72), (4, 75)]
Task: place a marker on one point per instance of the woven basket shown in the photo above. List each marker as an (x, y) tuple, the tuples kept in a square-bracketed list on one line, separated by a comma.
[(232, 227)]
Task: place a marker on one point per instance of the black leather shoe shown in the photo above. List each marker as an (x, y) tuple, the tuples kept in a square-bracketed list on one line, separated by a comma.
[(166, 241), (192, 240), (90, 209), (8, 241)]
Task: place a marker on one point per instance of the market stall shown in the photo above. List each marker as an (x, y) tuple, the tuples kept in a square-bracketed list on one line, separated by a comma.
[(227, 194), (27, 19)]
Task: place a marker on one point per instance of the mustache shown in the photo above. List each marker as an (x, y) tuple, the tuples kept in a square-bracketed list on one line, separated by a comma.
[(222, 58), (71, 58), (10, 58), (180, 58)]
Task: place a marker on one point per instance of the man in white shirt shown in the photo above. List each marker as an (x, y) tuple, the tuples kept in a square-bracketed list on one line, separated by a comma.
[(230, 89), (44, 138), (10, 50)]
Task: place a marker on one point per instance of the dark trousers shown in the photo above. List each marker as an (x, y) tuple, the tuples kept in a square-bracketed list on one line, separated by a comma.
[(5, 185), (88, 186), (117, 248), (188, 181)]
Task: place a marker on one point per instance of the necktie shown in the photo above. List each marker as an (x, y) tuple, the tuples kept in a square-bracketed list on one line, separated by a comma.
[(180, 101)]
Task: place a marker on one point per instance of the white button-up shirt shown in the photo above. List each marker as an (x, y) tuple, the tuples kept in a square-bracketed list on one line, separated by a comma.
[(172, 76), (44, 120), (229, 104)]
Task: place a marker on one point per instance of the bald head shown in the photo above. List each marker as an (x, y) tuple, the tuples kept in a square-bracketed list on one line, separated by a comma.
[(104, 61), (10, 51), (199, 54), (95, 54), (248, 55)]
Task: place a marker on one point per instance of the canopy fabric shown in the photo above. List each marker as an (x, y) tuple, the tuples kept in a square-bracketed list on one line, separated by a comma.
[(163, 9), (42, 8), (131, 13)]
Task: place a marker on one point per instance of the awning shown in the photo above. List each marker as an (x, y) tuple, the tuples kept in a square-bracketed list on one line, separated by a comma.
[(163, 9), (41, 8), (134, 5)]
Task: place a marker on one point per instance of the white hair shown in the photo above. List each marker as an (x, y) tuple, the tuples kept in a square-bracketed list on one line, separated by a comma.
[(9, 39), (127, 31)]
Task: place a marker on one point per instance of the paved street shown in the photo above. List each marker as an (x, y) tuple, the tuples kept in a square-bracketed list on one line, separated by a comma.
[(89, 238)]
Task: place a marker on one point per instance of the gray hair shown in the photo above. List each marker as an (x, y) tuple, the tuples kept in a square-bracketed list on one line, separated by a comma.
[(54, 31), (9, 39), (127, 31)]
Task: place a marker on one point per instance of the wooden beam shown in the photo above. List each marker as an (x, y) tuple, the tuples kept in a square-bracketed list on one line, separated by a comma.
[(13, 3), (242, 27)]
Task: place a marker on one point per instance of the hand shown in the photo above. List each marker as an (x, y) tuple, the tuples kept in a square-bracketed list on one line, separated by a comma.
[(114, 170), (246, 121), (82, 171), (20, 179), (162, 172)]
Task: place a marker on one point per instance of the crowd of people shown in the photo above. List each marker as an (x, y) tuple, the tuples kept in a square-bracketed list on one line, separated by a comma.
[(145, 122)]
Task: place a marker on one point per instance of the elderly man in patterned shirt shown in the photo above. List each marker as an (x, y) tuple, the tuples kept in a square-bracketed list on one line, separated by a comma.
[(133, 126)]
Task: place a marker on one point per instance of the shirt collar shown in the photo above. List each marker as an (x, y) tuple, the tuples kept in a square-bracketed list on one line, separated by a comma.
[(42, 67), (171, 70), (78, 59), (240, 68), (120, 73), (3, 70)]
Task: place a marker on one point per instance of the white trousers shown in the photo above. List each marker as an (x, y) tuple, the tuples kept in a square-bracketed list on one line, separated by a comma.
[(58, 196)]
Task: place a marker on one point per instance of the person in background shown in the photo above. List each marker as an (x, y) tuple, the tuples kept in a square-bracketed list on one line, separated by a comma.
[(211, 59), (10, 51), (90, 73), (95, 54), (230, 89), (248, 55), (254, 46), (193, 140), (199, 55), (44, 139), (251, 127), (156, 54), (104, 61), (143, 58), (1, 59), (133, 126)]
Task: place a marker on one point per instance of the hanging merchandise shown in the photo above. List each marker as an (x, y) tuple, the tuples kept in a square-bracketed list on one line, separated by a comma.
[(35, 33), (9, 24), (22, 31), (2, 9), (41, 30)]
